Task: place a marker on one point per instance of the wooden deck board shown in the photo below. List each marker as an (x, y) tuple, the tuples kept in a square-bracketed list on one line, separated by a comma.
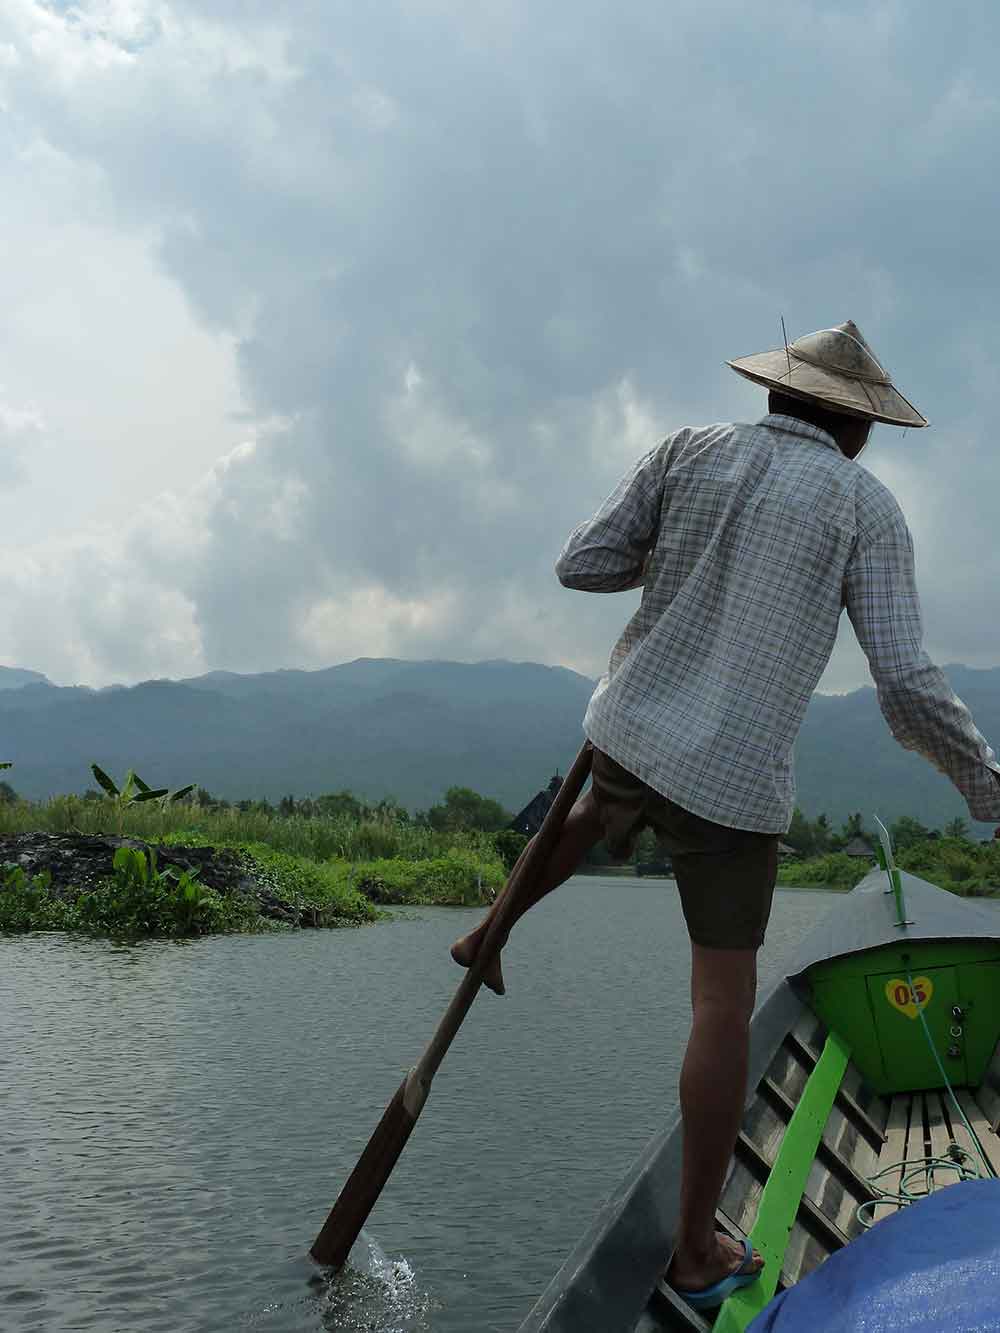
[(987, 1099), (962, 1137), (940, 1138), (978, 1121), (916, 1147), (893, 1150)]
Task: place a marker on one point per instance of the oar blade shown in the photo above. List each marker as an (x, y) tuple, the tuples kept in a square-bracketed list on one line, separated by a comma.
[(365, 1183)]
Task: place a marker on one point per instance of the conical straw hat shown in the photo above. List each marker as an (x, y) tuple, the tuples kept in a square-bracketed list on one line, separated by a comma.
[(836, 368)]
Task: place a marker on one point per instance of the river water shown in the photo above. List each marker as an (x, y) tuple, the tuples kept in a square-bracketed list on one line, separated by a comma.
[(177, 1119)]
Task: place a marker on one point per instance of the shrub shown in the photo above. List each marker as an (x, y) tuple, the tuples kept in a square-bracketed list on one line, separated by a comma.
[(134, 901), (837, 870), (459, 878), (28, 905), (302, 883), (138, 900), (509, 845)]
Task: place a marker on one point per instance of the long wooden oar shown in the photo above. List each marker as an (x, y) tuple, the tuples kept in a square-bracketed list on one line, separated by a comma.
[(365, 1183)]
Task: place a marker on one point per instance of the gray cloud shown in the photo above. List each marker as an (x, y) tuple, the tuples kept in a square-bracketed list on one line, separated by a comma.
[(475, 261)]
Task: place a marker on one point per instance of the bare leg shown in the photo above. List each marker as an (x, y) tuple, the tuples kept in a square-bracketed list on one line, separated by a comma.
[(579, 833), (713, 1088)]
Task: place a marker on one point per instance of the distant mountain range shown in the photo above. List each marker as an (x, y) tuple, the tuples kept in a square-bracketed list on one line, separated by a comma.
[(386, 727)]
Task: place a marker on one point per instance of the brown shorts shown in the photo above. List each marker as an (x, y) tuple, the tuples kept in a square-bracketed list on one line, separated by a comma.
[(725, 876)]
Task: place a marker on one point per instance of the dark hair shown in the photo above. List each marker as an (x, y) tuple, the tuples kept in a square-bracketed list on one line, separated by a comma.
[(787, 406), (850, 431)]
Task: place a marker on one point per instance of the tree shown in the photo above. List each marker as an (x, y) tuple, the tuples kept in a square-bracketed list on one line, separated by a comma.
[(821, 836), (957, 828), (464, 808), (800, 834), (339, 804), (389, 811), (8, 796), (260, 807), (907, 831), (851, 828)]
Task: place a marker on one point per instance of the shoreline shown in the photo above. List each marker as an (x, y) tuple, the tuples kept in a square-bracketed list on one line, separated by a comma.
[(628, 872), (116, 886), (191, 884)]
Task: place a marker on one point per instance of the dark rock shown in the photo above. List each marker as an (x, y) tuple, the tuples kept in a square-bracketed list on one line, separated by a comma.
[(79, 862)]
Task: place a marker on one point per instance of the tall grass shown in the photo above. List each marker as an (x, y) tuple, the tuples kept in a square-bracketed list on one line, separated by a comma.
[(319, 838)]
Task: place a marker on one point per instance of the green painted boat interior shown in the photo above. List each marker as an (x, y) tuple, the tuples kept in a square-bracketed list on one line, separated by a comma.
[(866, 999), (913, 1026), (786, 1182), (821, 1155), (887, 1089), (875, 1081)]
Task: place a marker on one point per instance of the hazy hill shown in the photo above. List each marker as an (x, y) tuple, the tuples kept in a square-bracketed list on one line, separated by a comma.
[(12, 678), (379, 727), (411, 729), (847, 759)]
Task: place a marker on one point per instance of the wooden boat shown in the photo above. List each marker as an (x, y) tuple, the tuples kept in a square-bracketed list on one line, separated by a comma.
[(896, 987)]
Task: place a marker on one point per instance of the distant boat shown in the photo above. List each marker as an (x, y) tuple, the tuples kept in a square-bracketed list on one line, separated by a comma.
[(894, 988)]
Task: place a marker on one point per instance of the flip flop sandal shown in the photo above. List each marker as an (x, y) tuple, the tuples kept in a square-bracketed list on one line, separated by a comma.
[(709, 1297)]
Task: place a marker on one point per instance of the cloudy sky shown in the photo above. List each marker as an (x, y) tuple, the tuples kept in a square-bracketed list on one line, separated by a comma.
[(323, 323)]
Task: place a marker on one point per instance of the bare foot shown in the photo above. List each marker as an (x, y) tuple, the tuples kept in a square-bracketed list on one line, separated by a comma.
[(695, 1273), (464, 952)]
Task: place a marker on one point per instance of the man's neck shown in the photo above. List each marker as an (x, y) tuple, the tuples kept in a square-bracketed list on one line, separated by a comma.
[(803, 411)]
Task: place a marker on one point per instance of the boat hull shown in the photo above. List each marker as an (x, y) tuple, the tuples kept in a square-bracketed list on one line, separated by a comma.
[(818, 1123)]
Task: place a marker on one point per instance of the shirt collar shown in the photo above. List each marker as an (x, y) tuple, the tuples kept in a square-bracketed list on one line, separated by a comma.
[(795, 426)]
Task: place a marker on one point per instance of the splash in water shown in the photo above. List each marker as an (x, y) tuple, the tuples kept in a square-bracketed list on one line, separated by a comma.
[(371, 1294), (376, 1294)]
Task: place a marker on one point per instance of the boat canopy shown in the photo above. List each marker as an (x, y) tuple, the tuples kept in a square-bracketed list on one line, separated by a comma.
[(934, 1266)]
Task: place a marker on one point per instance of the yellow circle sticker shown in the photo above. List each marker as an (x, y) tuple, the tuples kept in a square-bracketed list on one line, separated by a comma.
[(899, 995)]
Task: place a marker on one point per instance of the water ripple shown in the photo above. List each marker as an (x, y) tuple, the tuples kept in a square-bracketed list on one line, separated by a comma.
[(179, 1118)]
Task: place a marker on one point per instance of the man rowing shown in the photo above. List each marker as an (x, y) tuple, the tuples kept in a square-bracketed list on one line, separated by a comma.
[(748, 542)]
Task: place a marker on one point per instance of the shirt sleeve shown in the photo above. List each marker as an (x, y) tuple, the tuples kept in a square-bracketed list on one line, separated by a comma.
[(922, 710), (608, 552)]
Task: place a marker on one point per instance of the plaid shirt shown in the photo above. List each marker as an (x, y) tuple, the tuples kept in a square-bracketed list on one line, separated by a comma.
[(748, 541)]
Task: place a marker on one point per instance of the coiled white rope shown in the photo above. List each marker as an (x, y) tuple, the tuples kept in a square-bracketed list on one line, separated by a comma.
[(958, 1159)]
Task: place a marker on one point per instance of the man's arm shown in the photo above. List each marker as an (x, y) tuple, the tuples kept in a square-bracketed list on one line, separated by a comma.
[(922, 710), (608, 553)]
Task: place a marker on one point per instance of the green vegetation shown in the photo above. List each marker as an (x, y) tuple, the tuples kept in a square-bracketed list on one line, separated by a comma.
[(334, 860), (815, 837), (135, 900), (946, 858), (328, 860), (460, 877), (466, 809), (834, 871), (968, 868)]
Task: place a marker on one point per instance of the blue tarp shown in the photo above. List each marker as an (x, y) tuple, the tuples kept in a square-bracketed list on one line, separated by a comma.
[(933, 1267)]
